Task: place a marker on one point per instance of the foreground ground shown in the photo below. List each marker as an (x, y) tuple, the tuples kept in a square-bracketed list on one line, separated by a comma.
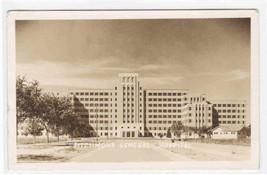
[(130, 150)]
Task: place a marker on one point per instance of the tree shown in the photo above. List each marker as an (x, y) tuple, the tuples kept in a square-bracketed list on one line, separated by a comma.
[(248, 130), (204, 130), (34, 108), (33, 127), (28, 104), (58, 109), (169, 133), (46, 111), (177, 128), (46, 116), (21, 103), (160, 135), (201, 130), (192, 130)]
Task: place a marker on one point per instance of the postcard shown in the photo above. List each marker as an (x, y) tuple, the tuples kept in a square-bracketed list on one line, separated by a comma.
[(133, 90)]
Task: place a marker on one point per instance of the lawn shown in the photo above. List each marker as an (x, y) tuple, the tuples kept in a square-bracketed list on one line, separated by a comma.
[(30, 140), (241, 142)]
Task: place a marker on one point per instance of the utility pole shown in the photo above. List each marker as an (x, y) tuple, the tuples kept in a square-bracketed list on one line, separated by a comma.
[(96, 122)]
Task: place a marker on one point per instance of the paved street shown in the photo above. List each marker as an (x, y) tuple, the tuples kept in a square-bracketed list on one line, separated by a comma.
[(131, 150), (142, 152)]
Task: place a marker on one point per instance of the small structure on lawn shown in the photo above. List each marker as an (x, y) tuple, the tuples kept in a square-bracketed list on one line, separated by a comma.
[(229, 132)]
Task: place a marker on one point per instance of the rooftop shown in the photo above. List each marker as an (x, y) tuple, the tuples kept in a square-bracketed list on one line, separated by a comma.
[(230, 128)]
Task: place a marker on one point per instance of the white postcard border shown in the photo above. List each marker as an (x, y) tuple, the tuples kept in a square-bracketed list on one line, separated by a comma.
[(142, 166)]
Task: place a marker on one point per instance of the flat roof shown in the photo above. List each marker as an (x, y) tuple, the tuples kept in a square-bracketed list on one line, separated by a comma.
[(226, 101), (166, 89), (90, 89)]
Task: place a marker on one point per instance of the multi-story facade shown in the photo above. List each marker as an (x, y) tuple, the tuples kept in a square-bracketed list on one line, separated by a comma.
[(163, 107), (128, 110), (229, 112), (197, 112)]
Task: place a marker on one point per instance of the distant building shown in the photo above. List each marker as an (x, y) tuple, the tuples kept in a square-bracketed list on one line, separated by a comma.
[(128, 110), (229, 112), (229, 132)]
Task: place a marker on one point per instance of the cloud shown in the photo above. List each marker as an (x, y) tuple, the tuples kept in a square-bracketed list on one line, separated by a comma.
[(97, 74), (232, 75), (237, 75)]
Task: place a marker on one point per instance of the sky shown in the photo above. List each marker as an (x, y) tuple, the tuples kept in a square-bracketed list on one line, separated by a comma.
[(210, 56)]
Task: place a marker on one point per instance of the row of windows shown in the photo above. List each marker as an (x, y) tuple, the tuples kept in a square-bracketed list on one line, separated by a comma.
[(91, 99), (164, 105), (164, 110), (128, 79), (128, 99), (170, 122), (232, 116), (166, 99), (92, 105), (129, 105), (128, 88), (200, 108), (115, 128), (231, 122), (92, 93), (157, 128), (101, 110), (200, 121), (229, 105), (102, 121), (98, 121), (224, 133), (99, 105), (164, 116), (128, 116), (161, 122), (101, 116), (166, 94), (199, 114), (231, 111), (128, 121), (128, 110), (196, 99), (128, 94)]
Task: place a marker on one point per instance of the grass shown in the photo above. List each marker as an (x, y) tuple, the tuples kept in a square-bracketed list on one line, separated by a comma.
[(241, 142), (32, 157), (30, 140)]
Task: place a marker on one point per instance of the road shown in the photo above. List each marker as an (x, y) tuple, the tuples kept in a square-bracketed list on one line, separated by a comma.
[(128, 151)]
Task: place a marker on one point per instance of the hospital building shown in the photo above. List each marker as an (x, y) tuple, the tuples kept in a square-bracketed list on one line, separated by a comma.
[(129, 110)]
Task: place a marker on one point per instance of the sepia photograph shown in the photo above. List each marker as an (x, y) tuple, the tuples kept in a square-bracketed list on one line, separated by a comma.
[(141, 90)]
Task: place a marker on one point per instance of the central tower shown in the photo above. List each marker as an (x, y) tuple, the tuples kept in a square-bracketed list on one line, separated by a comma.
[(130, 101), (131, 98)]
